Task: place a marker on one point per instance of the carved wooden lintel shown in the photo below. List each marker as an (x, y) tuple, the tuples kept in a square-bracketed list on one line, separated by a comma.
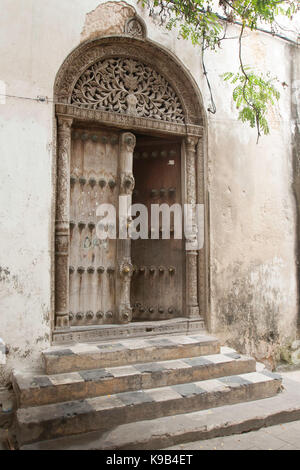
[(125, 121)]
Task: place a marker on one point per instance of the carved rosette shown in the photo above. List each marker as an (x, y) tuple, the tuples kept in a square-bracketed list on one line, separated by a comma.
[(62, 223), (127, 183), (135, 28), (192, 256)]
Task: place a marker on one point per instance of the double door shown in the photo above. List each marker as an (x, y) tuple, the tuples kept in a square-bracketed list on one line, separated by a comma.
[(115, 280)]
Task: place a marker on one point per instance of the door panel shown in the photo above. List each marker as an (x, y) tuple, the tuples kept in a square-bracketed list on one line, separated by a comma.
[(157, 283), (94, 180)]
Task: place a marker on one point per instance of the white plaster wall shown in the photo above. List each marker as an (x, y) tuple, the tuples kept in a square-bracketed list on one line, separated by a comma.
[(252, 216)]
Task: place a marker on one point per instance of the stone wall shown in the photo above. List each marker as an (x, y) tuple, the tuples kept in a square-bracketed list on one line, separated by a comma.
[(252, 212)]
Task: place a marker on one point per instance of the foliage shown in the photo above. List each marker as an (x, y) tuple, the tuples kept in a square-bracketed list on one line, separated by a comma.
[(205, 22), (252, 95)]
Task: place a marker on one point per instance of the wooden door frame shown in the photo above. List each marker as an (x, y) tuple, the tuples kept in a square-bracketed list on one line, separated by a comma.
[(192, 155)]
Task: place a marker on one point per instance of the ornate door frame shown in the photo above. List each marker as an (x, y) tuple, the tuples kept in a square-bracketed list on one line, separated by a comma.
[(175, 93)]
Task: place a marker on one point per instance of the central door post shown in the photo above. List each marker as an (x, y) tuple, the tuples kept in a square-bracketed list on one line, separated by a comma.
[(125, 268)]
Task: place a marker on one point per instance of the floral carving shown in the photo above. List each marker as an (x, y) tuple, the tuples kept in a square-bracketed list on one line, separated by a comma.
[(127, 86), (134, 27)]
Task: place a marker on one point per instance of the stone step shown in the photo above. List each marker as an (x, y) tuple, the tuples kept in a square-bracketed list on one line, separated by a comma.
[(86, 356), (107, 412), (170, 431), (36, 390)]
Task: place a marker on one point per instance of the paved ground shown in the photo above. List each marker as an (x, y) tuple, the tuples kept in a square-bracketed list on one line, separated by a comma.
[(281, 437)]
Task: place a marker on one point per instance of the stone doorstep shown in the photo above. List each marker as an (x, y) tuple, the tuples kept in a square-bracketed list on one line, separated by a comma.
[(85, 356), (107, 412), (176, 326), (197, 426), (33, 390)]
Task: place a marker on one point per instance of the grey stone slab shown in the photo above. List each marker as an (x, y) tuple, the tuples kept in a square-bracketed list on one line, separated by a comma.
[(134, 398), (73, 408), (111, 347), (233, 355), (197, 361), (61, 352), (234, 380), (42, 381), (94, 375), (149, 367), (161, 342), (188, 389)]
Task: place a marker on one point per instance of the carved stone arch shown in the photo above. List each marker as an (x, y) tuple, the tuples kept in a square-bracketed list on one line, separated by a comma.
[(146, 52), (186, 120)]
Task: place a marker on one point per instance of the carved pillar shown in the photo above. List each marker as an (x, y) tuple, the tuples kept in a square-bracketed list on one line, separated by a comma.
[(202, 251), (192, 254), (127, 145), (62, 223)]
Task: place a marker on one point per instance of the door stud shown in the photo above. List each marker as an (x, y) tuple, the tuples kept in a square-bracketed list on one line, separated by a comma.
[(82, 180), (112, 184), (92, 182), (81, 225)]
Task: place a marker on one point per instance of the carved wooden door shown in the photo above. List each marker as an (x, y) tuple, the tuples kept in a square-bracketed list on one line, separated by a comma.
[(100, 270), (157, 283)]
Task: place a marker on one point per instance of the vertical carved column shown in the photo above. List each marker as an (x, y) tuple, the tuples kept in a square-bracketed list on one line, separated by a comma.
[(192, 255), (62, 223), (202, 251), (123, 281)]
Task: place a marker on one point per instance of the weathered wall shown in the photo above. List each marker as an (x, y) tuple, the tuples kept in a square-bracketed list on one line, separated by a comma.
[(252, 213)]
